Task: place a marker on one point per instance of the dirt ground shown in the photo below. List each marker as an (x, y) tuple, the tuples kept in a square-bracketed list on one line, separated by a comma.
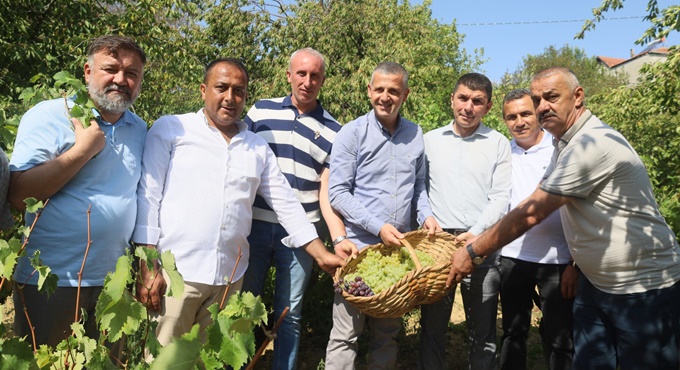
[(313, 347)]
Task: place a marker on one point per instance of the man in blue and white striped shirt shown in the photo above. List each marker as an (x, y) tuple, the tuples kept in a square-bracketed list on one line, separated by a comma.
[(301, 133)]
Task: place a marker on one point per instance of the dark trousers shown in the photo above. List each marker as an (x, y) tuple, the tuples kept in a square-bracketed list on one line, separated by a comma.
[(52, 317), (626, 331), (519, 280)]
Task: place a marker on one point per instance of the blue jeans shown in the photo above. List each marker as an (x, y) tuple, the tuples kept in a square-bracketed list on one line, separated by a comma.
[(293, 270), (631, 331), (480, 299)]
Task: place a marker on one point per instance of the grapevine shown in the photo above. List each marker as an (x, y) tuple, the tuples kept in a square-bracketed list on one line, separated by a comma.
[(83, 108)]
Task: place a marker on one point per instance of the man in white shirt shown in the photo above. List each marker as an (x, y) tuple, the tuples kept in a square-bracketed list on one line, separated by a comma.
[(469, 188), (200, 174), (540, 258)]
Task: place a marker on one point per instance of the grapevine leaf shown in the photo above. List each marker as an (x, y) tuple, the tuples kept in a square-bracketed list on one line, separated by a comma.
[(44, 357), (147, 255), (33, 205), (182, 353), (210, 362), (176, 286), (24, 230), (8, 259), (77, 111), (237, 349), (96, 355), (15, 354), (47, 281), (119, 316), (115, 284)]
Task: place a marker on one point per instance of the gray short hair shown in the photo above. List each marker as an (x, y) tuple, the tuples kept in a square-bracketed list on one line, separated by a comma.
[(391, 68), (568, 74)]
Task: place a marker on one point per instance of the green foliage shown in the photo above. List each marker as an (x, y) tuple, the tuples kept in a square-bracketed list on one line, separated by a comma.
[(594, 78), (648, 116), (230, 338), (182, 353), (663, 21)]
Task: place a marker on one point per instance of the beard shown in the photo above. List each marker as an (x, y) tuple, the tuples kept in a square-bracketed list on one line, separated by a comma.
[(114, 103)]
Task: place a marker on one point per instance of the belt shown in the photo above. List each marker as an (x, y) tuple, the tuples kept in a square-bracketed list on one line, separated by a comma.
[(455, 232)]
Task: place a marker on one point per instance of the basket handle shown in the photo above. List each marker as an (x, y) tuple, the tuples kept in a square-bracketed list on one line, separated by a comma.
[(412, 252)]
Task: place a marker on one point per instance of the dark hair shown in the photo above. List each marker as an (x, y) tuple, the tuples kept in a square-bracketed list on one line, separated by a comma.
[(514, 95), (230, 61), (475, 81), (112, 43)]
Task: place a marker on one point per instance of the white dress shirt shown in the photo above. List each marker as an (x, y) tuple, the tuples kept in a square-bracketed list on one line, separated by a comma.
[(545, 242), (196, 194)]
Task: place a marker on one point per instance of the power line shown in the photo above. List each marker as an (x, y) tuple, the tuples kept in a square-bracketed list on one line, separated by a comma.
[(540, 22)]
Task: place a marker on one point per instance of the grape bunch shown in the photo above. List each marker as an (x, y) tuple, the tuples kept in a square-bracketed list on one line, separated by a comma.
[(358, 287), (382, 269)]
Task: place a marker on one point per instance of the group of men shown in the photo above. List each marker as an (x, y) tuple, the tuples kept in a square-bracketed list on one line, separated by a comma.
[(208, 186)]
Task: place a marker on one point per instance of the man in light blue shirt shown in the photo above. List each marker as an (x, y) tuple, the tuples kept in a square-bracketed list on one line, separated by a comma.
[(469, 171), (81, 171), (377, 178)]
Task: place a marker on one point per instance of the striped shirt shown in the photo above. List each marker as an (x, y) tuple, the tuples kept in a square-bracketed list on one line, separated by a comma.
[(302, 145)]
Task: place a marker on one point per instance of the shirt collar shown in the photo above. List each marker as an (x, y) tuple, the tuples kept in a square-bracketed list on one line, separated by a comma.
[(546, 141), (317, 113), (481, 130), (372, 118), (571, 132), (242, 126)]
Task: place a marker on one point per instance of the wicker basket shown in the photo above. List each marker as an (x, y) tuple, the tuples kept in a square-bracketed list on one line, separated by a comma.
[(420, 286)]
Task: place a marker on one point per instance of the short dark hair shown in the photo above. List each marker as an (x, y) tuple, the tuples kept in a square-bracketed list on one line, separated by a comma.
[(475, 81), (235, 62), (514, 95), (112, 43)]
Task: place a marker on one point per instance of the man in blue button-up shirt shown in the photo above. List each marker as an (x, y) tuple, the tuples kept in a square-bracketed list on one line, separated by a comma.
[(377, 176)]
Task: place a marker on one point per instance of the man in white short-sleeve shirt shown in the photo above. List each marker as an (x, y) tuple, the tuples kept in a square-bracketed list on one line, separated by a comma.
[(627, 306)]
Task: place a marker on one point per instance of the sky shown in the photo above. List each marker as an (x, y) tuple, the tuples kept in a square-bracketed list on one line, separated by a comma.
[(505, 42)]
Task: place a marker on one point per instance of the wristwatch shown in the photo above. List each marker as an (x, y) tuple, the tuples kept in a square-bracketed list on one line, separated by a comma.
[(476, 259), (339, 239)]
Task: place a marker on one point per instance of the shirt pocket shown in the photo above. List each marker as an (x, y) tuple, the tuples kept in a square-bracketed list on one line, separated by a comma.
[(244, 172)]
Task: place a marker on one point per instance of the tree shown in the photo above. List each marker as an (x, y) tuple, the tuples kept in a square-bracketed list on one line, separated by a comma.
[(354, 36), (592, 76)]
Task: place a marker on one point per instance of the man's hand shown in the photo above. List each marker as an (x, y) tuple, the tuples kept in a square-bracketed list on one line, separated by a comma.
[(328, 261), (390, 235), (465, 238), (151, 288), (461, 266), (432, 226), (346, 248), (569, 282), (89, 141)]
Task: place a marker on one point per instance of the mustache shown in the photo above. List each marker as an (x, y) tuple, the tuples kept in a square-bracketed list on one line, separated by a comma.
[(542, 116), (116, 87)]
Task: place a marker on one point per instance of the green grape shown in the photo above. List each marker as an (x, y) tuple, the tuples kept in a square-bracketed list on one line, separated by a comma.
[(382, 270)]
